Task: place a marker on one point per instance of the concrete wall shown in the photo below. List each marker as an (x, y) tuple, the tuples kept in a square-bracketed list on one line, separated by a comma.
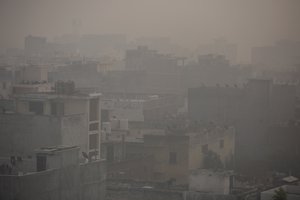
[(75, 106), (209, 182), (93, 176), (22, 107), (21, 134), (205, 196), (189, 152), (283, 103), (71, 106), (60, 158), (35, 73), (161, 147), (217, 104), (149, 194), (250, 109), (31, 186), (50, 184), (86, 182), (74, 131), (139, 169), (212, 139), (31, 88), (142, 194), (73, 128)]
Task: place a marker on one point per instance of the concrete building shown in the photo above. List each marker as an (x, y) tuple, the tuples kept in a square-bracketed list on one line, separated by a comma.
[(63, 117), (85, 73), (138, 109), (162, 71), (34, 73), (282, 55), (34, 45), (216, 104), (7, 79), (130, 109), (251, 109), (94, 45), (212, 70), (176, 155), (211, 181), (162, 44), (281, 145), (58, 175), (143, 58), (31, 87), (23, 79), (220, 46), (125, 81)]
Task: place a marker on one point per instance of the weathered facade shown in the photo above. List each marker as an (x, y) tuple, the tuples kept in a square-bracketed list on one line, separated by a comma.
[(176, 155), (48, 119), (59, 176)]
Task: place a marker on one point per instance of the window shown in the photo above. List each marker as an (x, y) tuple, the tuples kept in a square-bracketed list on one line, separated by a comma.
[(93, 127), (57, 108), (205, 148), (53, 109), (94, 106), (93, 154), (110, 153), (93, 141), (173, 158), (36, 107), (221, 144), (41, 163), (104, 116)]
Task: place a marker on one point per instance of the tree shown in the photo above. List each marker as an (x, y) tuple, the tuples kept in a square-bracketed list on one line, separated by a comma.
[(280, 194)]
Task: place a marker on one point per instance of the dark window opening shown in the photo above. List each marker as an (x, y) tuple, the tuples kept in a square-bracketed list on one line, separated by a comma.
[(104, 116), (41, 163), (93, 154), (57, 108), (94, 127), (94, 106), (93, 141), (110, 153), (36, 107)]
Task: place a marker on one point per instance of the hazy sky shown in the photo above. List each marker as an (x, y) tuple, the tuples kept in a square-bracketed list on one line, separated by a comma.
[(188, 22)]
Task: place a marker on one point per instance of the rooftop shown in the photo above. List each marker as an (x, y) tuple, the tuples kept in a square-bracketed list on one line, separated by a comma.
[(55, 149), (289, 189), (54, 95)]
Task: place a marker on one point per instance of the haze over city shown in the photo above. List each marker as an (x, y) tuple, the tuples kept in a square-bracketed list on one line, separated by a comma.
[(149, 99), (189, 23)]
